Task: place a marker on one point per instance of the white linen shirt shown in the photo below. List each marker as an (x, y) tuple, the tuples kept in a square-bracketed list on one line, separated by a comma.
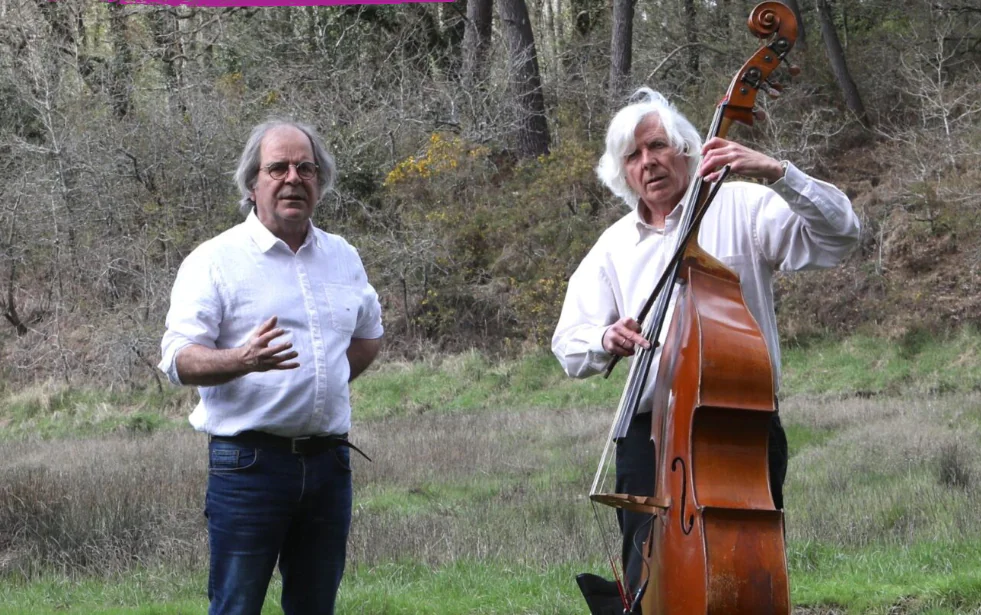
[(234, 282), (796, 223)]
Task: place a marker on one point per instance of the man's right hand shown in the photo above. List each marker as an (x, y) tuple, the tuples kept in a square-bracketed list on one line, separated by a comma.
[(203, 366), (623, 336), (259, 356)]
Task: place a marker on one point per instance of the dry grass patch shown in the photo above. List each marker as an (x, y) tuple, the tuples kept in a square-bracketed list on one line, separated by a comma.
[(896, 471), (101, 506), (882, 493)]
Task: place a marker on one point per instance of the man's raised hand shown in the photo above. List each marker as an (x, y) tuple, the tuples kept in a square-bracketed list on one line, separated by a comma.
[(716, 153), (259, 356)]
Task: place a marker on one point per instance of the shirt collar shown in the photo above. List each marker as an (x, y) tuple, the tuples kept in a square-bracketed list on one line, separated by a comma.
[(644, 229), (264, 238)]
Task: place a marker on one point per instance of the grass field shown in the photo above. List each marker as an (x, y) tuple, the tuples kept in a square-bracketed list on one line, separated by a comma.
[(476, 501)]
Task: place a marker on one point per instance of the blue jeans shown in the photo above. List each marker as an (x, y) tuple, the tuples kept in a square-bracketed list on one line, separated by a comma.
[(267, 504)]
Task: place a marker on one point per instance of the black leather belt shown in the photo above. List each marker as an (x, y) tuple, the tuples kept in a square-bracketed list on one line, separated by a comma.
[(303, 445)]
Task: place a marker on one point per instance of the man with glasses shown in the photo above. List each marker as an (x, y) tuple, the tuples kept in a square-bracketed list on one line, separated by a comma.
[(271, 320)]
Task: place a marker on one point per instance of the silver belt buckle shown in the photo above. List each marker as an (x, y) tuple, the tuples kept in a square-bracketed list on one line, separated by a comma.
[(294, 441)]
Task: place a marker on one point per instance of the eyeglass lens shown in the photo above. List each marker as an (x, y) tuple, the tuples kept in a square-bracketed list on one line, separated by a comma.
[(279, 170)]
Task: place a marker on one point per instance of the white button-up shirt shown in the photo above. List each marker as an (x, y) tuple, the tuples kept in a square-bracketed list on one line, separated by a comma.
[(234, 282), (796, 223)]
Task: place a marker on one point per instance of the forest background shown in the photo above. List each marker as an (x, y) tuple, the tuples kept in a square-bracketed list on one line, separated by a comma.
[(466, 134), (465, 157)]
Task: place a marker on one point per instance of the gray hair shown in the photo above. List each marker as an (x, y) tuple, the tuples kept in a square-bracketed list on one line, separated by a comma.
[(620, 140), (248, 164)]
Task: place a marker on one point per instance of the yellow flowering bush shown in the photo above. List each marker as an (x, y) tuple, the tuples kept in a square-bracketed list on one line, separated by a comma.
[(442, 154), (486, 243)]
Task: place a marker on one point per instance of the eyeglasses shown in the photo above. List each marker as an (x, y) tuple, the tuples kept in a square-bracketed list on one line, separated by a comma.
[(279, 170)]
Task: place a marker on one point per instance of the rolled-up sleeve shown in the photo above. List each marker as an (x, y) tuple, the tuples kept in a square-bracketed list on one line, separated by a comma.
[(805, 223), (195, 312), (369, 325)]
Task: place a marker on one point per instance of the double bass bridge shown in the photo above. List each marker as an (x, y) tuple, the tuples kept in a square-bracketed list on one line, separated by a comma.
[(647, 505)]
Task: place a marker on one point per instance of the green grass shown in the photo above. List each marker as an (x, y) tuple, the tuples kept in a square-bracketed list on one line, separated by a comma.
[(49, 411), (475, 457), (484, 587), (864, 365), (800, 437), (431, 497), (398, 588), (471, 382), (860, 365), (923, 578), (140, 593), (434, 496)]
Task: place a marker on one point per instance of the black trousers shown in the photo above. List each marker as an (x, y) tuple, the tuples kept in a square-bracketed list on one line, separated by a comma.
[(635, 475)]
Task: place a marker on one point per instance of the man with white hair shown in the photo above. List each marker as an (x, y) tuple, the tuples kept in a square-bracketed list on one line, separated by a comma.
[(789, 222), (271, 320)]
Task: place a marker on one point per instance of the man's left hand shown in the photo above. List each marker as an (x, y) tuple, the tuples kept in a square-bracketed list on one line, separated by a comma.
[(717, 153)]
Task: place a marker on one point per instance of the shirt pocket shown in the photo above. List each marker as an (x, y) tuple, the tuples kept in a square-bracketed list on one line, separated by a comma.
[(343, 303)]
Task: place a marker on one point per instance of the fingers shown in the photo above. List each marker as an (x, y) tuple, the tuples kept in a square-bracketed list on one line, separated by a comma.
[(272, 355), (623, 337), (264, 339), (618, 344), (716, 153), (260, 356), (268, 331), (713, 177), (280, 362), (630, 328), (275, 357), (714, 143), (276, 352), (267, 326)]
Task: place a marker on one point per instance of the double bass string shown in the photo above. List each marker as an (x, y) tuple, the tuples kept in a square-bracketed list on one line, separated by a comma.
[(633, 391), (767, 19)]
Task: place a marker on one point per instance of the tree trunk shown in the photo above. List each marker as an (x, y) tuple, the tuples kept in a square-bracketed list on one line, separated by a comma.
[(121, 78), (837, 58), (10, 305), (531, 131), (691, 36), (621, 46), (476, 41), (722, 11), (169, 49)]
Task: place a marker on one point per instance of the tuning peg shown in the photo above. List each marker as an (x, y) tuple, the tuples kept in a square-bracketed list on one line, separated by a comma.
[(794, 70), (760, 115), (772, 89)]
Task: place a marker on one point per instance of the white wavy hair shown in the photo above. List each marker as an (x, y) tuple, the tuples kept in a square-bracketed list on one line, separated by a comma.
[(620, 140), (248, 164)]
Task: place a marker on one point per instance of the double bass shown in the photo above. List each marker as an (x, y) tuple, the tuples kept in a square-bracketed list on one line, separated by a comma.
[(716, 543)]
